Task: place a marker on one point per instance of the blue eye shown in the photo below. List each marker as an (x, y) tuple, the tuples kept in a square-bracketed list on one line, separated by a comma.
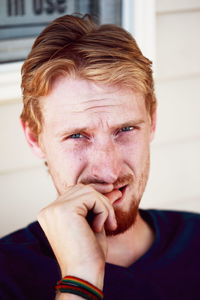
[(128, 128), (76, 136)]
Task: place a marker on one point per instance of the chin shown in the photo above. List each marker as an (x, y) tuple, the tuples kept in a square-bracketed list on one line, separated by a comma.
[(125, 220)]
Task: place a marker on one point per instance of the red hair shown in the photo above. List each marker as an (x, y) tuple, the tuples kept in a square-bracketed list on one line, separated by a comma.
[(76, 46)]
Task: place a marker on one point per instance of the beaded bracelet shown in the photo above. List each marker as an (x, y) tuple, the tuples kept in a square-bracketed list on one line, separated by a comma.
[(80, 287)]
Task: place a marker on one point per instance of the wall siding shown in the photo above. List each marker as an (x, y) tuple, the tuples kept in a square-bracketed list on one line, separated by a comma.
[(25, 185), (174, 180)]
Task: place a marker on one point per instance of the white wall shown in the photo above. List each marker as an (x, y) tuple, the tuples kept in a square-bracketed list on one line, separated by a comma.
[(25, 186), (175, 176)]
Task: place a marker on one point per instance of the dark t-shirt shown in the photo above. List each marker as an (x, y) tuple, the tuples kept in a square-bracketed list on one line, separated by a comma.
[(170, 269)]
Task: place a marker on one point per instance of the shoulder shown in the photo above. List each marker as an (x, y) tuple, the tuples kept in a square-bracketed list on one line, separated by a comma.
[(172, 217), (174, 226), (179, 218), (30, 236), (23, 242), (23, 235), (27, 261)]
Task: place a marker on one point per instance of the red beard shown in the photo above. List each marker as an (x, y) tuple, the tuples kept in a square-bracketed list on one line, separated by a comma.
[(124, 219)]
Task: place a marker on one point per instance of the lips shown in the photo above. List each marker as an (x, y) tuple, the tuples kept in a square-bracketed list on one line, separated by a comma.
[(122, 188)]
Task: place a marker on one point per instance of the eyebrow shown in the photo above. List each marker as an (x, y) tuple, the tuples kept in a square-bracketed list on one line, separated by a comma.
[(77, 129), (129, 123)]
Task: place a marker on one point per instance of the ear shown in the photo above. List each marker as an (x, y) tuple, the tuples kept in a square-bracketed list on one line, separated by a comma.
[(32, 140), (153, 124)]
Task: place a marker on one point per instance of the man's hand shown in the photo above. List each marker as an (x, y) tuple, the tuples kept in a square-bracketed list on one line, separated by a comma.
[(80, 247)]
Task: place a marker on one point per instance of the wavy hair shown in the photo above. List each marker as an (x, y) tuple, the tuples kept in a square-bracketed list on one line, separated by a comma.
[(77, 46)]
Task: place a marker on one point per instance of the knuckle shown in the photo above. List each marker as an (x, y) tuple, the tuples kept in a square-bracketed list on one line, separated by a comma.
[(85, 187), (111, 209), (106, 212), (88, 187)]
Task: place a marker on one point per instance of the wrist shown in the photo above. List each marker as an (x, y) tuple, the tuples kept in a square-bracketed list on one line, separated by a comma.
[(94, 276), (77, 286)]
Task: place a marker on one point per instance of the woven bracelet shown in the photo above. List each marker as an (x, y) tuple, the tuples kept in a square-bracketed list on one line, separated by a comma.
[(80, 287)]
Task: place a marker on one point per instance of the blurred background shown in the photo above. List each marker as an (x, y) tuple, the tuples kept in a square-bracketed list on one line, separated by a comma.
[(168, 33)]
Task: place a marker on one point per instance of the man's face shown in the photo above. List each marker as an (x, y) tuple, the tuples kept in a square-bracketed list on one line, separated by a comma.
[(96, 133)]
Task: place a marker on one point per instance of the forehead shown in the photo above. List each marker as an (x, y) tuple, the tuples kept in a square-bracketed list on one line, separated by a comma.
[(73, 100)]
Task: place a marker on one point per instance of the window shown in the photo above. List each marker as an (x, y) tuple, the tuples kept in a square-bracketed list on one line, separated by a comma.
[(21, 20)]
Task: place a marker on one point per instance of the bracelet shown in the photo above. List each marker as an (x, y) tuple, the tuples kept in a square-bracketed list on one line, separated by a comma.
[(80, 287)]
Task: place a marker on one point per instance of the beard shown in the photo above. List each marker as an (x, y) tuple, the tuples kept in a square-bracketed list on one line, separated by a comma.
[(124, 219)]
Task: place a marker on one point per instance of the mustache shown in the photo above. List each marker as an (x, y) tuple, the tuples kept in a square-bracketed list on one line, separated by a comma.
[(121, 181)]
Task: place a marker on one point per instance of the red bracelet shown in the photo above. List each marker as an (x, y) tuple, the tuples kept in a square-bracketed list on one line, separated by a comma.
[(80, 287)]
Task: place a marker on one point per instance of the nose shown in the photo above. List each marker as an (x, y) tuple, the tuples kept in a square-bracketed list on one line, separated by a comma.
[(105, 162)]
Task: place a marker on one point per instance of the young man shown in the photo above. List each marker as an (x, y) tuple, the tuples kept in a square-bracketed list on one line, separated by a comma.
[(90, 113)]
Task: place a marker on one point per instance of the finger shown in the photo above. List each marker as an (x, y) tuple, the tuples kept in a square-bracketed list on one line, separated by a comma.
[(107, 216), (102, 188), (99, 221), (100, 224), (75, 191), (113, 196), (86, 199)]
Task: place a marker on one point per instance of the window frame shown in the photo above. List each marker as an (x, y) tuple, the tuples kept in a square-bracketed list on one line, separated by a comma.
[(134, 12)]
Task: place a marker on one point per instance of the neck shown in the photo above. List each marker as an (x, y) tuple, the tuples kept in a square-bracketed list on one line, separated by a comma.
[(124, 249)]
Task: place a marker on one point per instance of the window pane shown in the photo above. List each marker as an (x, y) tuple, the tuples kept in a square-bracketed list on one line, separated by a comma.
[(21, 20)]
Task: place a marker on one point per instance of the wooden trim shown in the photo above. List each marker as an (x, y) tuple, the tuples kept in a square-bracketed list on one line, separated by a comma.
[(139, 18), (10, 81)]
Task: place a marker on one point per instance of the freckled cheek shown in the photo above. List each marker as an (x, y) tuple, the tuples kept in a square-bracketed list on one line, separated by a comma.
[(76, 157), (134, 153), (67, 159)]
